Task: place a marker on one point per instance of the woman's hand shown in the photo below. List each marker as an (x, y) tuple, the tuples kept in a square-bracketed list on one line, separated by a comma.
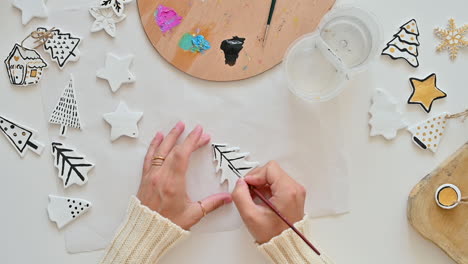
[(283, 192), (163, 188)]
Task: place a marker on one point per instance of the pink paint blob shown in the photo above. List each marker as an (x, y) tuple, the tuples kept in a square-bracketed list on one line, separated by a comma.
[(166, 18)]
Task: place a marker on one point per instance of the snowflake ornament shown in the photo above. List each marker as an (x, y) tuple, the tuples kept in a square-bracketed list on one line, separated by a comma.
[(452, 38), (105, 20)]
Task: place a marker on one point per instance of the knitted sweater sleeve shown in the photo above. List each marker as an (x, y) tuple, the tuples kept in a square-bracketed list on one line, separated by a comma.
[(289, 248), (143, 238)]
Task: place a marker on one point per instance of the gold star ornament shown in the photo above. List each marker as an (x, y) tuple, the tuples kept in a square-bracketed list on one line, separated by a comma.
[(452, 38), (425, 92)]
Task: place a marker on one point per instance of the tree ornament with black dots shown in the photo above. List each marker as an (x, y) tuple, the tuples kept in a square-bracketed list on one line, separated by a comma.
[(63, 210), (20, 137)]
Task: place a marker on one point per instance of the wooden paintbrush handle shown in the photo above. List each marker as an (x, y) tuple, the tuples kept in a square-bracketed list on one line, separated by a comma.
[(272, 207)]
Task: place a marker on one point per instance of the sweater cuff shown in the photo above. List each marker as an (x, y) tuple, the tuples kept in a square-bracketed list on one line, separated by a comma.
[(144, 236), (288, 247)]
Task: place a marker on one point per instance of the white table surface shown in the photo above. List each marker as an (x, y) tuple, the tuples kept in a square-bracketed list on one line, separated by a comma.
[(381, 173)]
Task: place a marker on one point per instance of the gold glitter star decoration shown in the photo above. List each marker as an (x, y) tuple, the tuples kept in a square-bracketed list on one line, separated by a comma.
[(425, 92), (452, 38)]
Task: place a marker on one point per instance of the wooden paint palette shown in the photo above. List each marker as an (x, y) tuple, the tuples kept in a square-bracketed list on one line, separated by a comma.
[(218, 20), (448, 229)]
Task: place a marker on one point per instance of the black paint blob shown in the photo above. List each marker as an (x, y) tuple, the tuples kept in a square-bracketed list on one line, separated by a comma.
[(231, 48)]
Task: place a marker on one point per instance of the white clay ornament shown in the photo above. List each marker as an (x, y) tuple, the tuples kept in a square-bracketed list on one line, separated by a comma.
[(66, 112), (62, 46), (404, 44), (72, 167), (20, 137), (30, 9), (231, 163), (63, 210), (116, 71), (116, 5), (105, 19), (386, 119), (24, 66), (123, 122)]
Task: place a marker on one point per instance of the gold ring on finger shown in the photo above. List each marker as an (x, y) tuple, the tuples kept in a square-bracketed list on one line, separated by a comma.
[(202, 208)]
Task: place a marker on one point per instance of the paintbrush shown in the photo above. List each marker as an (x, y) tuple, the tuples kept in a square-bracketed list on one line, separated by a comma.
[(274, 209), (270, 16)]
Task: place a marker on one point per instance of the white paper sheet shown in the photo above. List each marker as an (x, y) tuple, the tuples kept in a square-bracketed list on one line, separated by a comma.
[(259, 115)]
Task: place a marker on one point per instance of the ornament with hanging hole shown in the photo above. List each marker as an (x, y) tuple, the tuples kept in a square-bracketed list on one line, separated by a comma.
[(20, 137), (62, 46), (386, 119), (123, 122), (63, 210), (66, 112), (24, 66), (427, 134), (116, 71), (452, 38), (404, 44)]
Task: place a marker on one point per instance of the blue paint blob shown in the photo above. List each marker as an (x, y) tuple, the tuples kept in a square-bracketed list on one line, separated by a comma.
[(194, 43)]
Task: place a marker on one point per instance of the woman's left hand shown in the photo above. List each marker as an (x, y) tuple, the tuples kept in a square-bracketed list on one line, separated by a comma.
[(163, 186)]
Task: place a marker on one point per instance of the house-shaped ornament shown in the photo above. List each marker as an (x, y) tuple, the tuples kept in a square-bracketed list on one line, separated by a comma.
[(24, 66)]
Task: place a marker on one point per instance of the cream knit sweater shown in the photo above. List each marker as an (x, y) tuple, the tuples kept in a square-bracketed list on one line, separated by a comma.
[(145, 236)]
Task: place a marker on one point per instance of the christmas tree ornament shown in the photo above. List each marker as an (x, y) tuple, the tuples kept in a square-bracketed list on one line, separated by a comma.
[(425, 92), (166, 18), (105, 19), (428, 133), (20, 137), (72, 167), (30, 9), (404, 44), (452, 38), (231, 163), (24, 66), (116, 71), (116, 5), (63, 210), (123, 122), (386, 119), (62, 46), (66, 112)]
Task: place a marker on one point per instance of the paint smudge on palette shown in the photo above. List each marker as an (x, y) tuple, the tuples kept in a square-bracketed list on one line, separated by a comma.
[(194, 43), (166, 18), (231, 48)]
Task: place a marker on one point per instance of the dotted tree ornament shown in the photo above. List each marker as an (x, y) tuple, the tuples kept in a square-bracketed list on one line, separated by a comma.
[(20, 137), (66, 112), (428, 133), (404, 44), (63, 210), (452, 38), (62, 47)]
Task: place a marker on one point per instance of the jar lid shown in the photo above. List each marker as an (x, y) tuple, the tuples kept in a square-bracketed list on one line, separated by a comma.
[(318, 64)]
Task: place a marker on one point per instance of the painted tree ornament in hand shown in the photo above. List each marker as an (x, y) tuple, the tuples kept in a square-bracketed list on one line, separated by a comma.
[(425, 92), (428, 133), (62, 46), (30, 9), (116, 5), (72, 167), (123, 122), (24, 66), (105, 19), (63, 210), (453, 38), (404, 44), (20, 137), (231, 163), (386, 119), (116, 71), (66, 112)]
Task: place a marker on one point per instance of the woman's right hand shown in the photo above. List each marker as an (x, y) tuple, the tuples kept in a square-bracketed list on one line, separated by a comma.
[(282, 191)]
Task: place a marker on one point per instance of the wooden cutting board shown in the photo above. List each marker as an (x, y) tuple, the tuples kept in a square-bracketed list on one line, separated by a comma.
[(448, 229), (218, 20)]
